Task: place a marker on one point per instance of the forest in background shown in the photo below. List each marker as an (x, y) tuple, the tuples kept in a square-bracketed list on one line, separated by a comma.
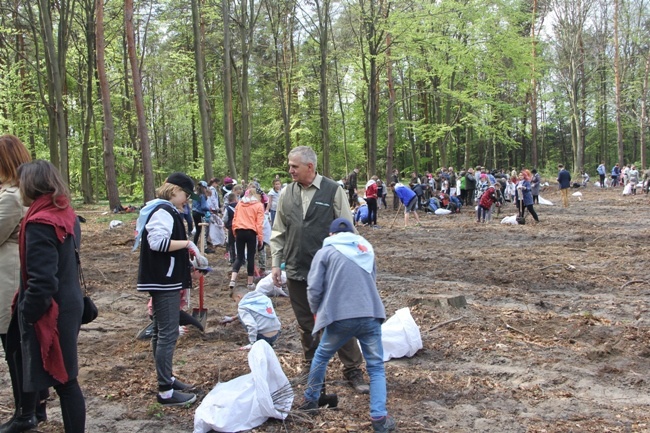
[(120, 93)]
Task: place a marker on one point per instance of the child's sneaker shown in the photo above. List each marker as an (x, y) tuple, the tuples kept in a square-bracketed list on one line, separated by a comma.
[(177, 399), (232, 284), (177, 385), (384, 424)]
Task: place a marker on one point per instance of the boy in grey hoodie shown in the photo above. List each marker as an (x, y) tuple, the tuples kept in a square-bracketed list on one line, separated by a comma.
[(256, 313), (343, 296)]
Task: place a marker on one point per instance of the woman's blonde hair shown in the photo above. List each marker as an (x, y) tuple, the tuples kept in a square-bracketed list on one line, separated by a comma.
[(167, 190)]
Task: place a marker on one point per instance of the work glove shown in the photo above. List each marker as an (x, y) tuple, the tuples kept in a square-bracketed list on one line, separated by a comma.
[(193, 232), (226, 319), (247, 347), (193, 249), (198, 260)]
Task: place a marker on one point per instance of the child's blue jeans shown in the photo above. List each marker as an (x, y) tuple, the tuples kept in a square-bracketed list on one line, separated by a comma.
[(368, 332)]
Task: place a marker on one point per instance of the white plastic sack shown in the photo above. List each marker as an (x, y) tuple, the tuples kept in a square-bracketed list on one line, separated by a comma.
[(115, 224), (216, 232), (266, 229), (542, 200), (510, 220), (245, 402), (265, 286), (628, 189), (400, 335), (442, 212)]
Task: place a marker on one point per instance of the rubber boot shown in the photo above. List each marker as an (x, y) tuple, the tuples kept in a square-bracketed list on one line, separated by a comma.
[(19, 424), (329, 400)]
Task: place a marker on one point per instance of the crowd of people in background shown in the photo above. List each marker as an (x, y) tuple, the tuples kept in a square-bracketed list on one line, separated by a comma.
[(308, 225)]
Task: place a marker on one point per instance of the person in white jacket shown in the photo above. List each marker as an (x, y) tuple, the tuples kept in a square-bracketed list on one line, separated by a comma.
[(255, 311)]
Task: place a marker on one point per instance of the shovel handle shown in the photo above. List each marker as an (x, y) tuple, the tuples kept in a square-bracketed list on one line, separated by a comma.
[(201, 280)]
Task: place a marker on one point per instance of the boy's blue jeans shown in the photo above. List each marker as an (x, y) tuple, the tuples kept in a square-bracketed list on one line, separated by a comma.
[(368, 332)]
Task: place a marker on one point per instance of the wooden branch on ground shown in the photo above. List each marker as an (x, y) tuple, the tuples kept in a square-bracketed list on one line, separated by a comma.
[(595, 239), (440, 325), (632, 282), (513, 329), (550, 266)]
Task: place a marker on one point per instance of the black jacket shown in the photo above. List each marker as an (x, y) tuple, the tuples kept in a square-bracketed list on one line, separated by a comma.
[(52, 274)]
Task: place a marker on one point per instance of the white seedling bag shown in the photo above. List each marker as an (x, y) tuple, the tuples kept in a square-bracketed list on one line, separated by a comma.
[(512, 219), (628, 189), (266, 229), (216, 232), (247, 401), (400, 335), (442, 212), (542, 200)]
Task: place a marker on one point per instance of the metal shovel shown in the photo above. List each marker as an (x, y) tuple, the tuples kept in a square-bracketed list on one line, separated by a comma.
[(201, 314)]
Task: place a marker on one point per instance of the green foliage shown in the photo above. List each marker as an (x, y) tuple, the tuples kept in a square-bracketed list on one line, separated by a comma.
[(458, 67)]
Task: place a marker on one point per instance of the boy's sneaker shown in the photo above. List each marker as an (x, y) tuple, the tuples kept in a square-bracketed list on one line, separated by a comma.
[(177, 399), (177, 385), (232, 284), (384, 424), (355, 378)]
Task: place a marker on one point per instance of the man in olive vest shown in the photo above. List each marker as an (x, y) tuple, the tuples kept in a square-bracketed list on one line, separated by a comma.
[(306, 208)]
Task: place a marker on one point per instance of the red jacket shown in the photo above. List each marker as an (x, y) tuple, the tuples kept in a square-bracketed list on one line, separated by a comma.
[(371, 191), (488, 198)]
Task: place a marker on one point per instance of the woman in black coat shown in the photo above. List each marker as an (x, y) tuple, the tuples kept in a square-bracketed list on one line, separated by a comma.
[(50, 297)]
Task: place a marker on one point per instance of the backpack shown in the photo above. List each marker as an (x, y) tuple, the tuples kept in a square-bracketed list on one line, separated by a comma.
[(230, 212)]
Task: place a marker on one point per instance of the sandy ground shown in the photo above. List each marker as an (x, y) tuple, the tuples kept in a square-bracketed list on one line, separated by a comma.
[(554, 337)]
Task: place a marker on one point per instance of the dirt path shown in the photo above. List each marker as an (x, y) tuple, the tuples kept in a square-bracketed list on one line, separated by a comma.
[(554, 338)]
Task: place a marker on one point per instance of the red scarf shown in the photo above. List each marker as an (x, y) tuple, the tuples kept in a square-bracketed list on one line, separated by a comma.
[(43, 211)]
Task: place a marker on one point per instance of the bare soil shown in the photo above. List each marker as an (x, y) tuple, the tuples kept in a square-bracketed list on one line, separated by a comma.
[(554, 337)]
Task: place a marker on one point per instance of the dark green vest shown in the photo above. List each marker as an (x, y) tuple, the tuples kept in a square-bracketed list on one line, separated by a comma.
[(304, 236)]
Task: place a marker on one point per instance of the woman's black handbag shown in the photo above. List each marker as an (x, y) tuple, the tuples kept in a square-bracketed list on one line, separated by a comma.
[(90, 311)]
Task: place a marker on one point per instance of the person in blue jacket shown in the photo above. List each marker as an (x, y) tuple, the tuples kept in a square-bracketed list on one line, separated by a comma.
[(616, 173), (524, 195), (564, 180), (409, 199), (199, 210), (361, 212), (344, 299)]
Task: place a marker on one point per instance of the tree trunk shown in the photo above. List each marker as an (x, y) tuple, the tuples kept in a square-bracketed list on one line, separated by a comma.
[(390, 142), (55, 82), (339, 95), (86, 173), (228, 121), (644, 112), (323, 100), (533, 91), (199, 61), (617, 78), (108, 132), (143, 134)]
